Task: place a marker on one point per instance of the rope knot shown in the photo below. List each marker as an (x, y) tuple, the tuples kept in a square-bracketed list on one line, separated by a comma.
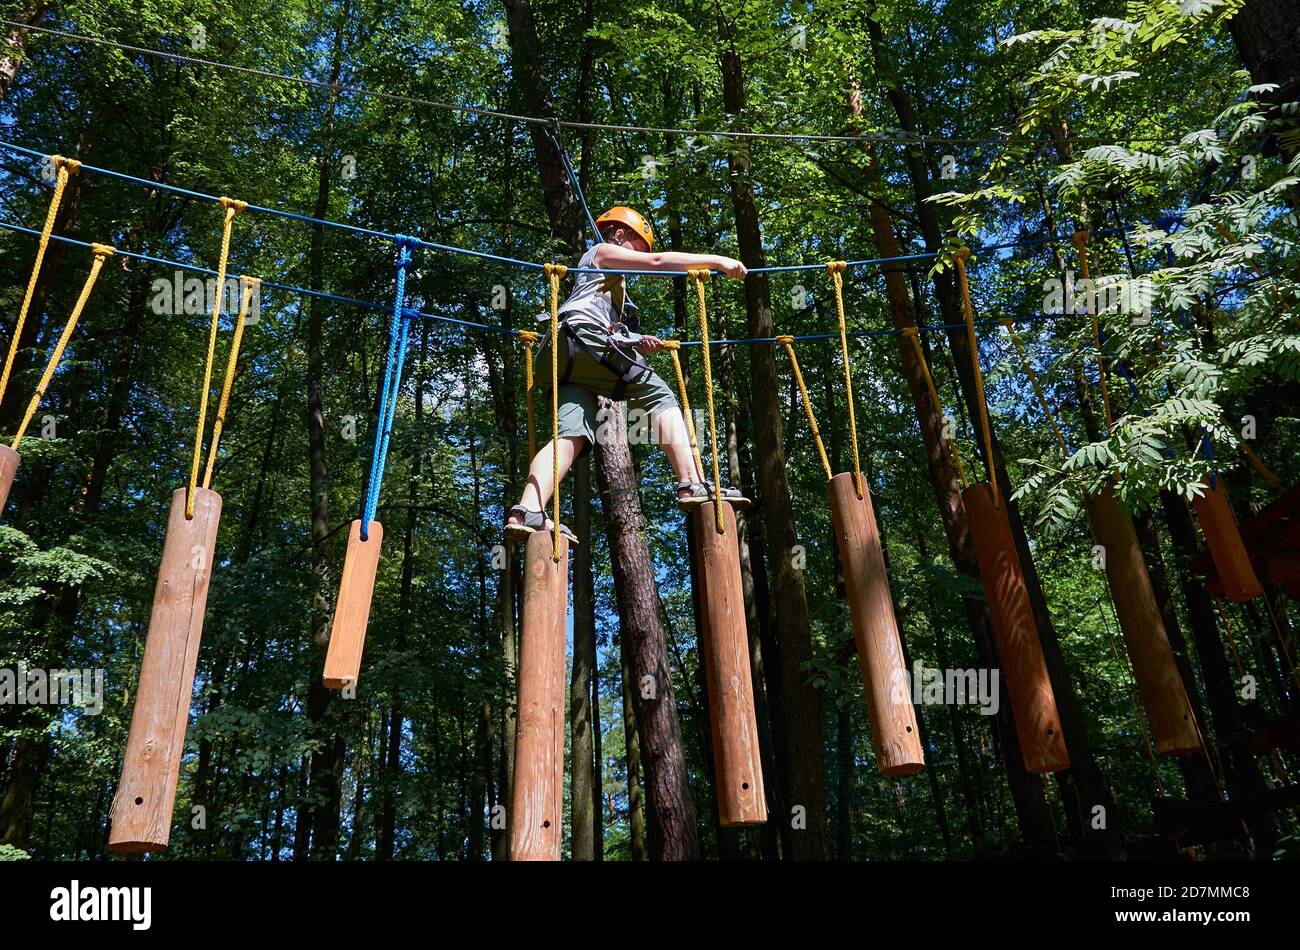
[(71, 164), (698, 274), (1081, 238), (529, 336), (252, 283), (404, 249), (961, 255), (909, 331), (555, 270), (232, 205), (836, 267), (103, 250), (785, 339)]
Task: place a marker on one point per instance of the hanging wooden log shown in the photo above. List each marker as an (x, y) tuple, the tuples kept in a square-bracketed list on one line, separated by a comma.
[(537, 798), (1033, 704), (1223, 537), (9, 460), (1160, 687), (352, 613), (146, 795), (738, 771), (871, 609)]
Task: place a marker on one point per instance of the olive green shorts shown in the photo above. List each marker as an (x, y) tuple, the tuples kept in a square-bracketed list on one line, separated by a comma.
[(588, 378)]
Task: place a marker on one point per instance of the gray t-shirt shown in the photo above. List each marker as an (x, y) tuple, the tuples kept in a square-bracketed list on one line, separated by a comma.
[(598, 299)]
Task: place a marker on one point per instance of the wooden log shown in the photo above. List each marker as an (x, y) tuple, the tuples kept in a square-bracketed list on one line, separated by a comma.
[(738, 770), (875, 628), (1223, 537), (1216, 821), (146, 795), (352, 613), (1033, 704), (1159, 685), (537, 798), (1281, 568), (1282, 732), (9, 460)]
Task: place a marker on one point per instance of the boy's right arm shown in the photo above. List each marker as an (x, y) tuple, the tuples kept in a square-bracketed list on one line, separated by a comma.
[(613, 257)]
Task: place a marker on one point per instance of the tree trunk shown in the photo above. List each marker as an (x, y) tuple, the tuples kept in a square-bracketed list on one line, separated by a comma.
[(318, 816), (583, 813), (789, 617), (632, 746), (671, 808), (16, 40)]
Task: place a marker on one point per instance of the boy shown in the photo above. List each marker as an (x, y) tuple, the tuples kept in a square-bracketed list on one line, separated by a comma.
[(595, 335)]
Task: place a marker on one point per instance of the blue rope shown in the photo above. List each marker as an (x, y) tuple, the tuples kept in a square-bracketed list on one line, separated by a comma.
[(397, 332), (514, 261)]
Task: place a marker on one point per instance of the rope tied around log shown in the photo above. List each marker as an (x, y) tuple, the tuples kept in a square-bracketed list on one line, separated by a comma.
[(697, 277), (64, 168), (554, 274), (836, 270), (232, 207), (529, 338), (674, 348), (247, 286), (982, 403), (787, 341), (101, 253)]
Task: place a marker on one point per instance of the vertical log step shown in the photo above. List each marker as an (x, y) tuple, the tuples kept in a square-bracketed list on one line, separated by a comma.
[(537, 798), (1160, 687), (9, 460), (737, 764), (875, 628), (146, 795), (1033, 704), (352, 614), (1223, 537)]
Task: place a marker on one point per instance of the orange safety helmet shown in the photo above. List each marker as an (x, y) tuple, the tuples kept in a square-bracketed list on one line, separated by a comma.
[(621, 214)]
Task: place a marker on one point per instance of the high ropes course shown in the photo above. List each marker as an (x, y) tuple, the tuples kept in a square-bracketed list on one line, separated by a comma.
[(143, 808)]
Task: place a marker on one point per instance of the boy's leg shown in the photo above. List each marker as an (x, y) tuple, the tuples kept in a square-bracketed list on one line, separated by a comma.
[(541, 482), (669, 431), (577, 432)]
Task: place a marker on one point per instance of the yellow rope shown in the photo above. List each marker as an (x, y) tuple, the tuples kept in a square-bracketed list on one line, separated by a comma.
[(101, 252), (836, 270), (788, 343), (1081, 242), (1033, 381), (232, 207), (698, 276), (248, 285), (555, 273), (672, 346), (950, 444), (64, 167), (530, 339), (969, 313), (1232, 642)]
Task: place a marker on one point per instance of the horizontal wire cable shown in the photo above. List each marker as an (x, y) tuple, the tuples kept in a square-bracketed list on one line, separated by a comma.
[(915, 138), (290, 288), (470, 324), (517, 262)]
